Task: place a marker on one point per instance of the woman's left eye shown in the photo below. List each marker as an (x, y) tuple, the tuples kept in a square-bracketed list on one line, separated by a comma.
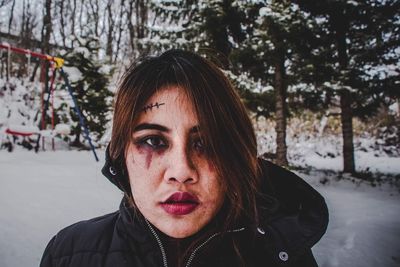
[(198, 145)]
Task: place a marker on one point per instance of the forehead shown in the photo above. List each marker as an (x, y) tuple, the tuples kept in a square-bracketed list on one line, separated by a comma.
[(170, 103), (169, 94)]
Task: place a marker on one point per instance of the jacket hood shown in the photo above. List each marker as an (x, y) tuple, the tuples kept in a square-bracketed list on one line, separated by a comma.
[(301, 217), (115, 173)]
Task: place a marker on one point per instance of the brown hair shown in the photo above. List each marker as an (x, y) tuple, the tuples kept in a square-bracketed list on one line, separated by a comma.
[(226, 128)]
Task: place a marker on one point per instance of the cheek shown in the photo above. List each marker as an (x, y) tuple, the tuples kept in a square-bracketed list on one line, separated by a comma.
[(146, 155), (218, 186), (219, 190), (214, 185), (143, 184), (143, 175), (211, 166)]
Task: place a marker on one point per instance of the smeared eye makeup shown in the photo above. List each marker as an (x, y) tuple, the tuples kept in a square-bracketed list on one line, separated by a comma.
[(150, 145), (152, 140), (155, 142), (197, 144)]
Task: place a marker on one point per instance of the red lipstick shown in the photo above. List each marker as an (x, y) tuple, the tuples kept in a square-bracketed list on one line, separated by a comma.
[(180, 203)]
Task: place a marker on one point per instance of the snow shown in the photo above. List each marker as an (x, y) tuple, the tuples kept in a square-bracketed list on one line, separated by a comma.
[(55, 189), (106, 69), (21, 110), (366, 162), (19, 104), (338, 86), (264, 11), (62, 128), (395, 108), (49, 192), (74, 74), (364, 225), (84, 51), (311, 146), (353, 3)]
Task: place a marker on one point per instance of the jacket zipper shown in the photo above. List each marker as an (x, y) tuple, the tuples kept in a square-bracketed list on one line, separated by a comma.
[(205, 242), (164, 255), (193, 254)]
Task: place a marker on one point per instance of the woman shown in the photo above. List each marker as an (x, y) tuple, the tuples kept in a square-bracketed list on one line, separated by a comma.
[(183, 151)]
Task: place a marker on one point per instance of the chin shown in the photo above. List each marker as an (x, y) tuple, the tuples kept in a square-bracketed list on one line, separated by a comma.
[(175, 234), (180, 230)]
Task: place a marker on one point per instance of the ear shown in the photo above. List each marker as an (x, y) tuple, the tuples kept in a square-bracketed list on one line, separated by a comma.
[(116, 173)]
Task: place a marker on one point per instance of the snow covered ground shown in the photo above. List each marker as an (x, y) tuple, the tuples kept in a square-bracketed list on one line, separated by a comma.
[(42, 193), (364, 226)]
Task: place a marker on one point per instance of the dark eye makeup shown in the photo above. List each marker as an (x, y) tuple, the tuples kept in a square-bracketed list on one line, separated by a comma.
[(155, 142), (198, 145), (158, 142)]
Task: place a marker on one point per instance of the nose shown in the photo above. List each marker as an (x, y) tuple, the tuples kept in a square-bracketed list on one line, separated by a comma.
[(181, 168)]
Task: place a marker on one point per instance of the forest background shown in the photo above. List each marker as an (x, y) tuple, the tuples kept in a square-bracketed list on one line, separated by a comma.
[(320, 80), (328, 67)]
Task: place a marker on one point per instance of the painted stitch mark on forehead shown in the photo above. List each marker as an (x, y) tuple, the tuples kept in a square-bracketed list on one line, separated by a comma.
[(151, 106)]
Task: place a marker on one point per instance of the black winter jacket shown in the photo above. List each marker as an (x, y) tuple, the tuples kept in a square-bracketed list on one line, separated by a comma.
[(283, 238)]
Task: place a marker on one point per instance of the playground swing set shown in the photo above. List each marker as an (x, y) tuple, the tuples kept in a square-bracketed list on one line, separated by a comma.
[(56, 65)]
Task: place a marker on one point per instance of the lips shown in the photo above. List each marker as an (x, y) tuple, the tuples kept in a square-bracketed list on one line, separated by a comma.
[(180, 203)]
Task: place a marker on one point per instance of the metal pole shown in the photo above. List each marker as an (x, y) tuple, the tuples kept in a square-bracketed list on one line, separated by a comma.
[(81, 119), (8, 63)]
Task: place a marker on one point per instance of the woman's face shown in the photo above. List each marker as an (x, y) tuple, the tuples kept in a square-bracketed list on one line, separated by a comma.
[(173, 181)]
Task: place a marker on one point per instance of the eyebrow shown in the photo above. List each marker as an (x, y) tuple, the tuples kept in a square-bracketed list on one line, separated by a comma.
[(150, 126), (154, 126)]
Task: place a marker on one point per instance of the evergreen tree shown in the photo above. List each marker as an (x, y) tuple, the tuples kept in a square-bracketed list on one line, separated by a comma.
[(211, 27), (278, 52), (90, 89), (360, 43), (173, 25), (271, 42)]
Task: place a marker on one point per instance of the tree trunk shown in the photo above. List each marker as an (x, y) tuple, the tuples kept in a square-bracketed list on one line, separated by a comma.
[(110, 32), (47, 28), (347, 131), (33, 75), (11, 16), (140, 28), (397, 120), (72, 19), (120, 29), (77, 141), (94, 13), (62, 23), (25, 36), (341, 27), (131, 27), (280, 110), (141, 18), (81, 17)]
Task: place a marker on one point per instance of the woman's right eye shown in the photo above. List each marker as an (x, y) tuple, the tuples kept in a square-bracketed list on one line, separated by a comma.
[(154, 142)]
